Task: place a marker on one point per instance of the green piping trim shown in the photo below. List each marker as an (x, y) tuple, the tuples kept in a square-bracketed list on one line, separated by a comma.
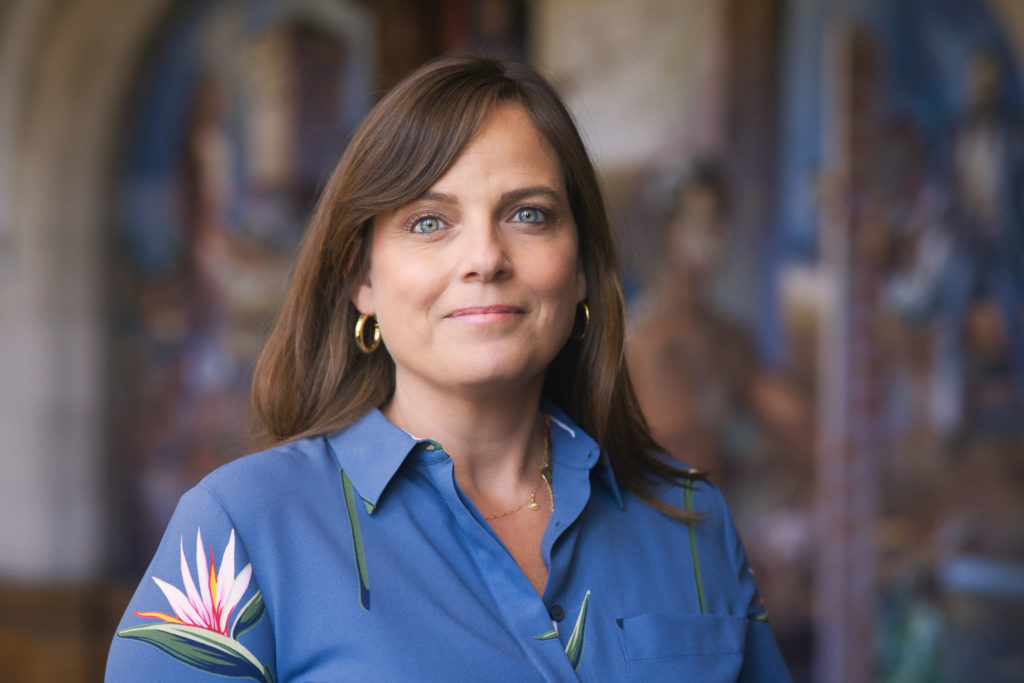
[(688, 502), (357, 541), (550, 635)]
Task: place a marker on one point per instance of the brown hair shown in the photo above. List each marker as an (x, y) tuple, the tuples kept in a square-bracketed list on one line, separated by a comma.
[(311, 379)]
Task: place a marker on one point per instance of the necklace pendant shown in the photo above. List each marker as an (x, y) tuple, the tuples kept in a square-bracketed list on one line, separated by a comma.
[(534, 505)]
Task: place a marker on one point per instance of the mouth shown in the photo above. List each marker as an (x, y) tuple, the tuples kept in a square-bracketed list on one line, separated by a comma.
[(485, 313)]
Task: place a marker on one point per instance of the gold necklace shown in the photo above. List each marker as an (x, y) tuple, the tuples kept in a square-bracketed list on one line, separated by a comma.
[(545, 475)]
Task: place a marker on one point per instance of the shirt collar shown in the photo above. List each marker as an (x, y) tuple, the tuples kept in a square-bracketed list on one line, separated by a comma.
[(574, 448), (372, 449)]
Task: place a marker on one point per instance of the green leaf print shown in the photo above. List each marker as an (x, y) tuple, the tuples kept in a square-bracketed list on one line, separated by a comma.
[(692, 532), (574, 649), (357, 541), (250, 614), (203, 649)]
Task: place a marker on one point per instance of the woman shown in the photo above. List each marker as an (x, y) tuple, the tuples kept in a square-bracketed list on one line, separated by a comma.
[(465, 490)]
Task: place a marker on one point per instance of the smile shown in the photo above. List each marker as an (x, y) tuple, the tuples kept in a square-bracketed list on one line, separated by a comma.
[(484, 314)]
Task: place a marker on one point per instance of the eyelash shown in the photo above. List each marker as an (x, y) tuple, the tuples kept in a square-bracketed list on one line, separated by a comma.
[(416, 219), (543, 216)]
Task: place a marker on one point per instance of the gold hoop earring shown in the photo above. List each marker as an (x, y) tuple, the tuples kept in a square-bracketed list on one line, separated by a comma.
[(360, 324), (586, 323)]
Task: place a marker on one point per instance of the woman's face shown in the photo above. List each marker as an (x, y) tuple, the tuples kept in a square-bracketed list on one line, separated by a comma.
[(475, 284)]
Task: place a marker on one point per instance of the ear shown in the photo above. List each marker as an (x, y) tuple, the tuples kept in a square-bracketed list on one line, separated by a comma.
[(581, 282), (362, 295)]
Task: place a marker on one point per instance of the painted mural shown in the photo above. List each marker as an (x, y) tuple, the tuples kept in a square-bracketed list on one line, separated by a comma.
[(902, 166), (867, 423), (240, 115)]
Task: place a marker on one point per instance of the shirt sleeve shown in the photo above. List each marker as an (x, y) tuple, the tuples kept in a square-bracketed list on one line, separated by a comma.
[(762, 661), (198, 614)]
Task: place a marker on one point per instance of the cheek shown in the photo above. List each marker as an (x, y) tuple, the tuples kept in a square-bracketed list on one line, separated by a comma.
[(557, 275), (400, 287), (556, 268)]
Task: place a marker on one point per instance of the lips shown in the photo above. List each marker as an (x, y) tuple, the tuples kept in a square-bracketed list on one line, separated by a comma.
[(485, 312)]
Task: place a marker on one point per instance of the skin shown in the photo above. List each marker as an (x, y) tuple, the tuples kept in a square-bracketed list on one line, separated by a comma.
[(475, 286)]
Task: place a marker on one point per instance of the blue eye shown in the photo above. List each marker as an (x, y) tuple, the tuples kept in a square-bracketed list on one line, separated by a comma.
[(529, 215), (427, 225)]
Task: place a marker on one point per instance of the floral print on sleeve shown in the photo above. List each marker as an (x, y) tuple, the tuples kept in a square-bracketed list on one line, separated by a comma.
[(198, 633)]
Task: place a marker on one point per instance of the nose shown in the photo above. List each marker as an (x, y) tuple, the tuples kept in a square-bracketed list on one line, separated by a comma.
[(484, 254)]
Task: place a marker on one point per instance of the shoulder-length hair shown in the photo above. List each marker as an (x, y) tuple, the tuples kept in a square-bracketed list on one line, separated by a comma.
[(311, 379)]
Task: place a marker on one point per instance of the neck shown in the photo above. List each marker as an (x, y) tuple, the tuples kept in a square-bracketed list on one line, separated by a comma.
[(494, 437)]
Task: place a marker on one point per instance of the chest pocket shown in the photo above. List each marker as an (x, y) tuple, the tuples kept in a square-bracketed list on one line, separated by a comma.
[(684, 647)]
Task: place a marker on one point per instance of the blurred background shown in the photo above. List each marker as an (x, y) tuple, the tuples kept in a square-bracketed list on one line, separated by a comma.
[(819, 206)]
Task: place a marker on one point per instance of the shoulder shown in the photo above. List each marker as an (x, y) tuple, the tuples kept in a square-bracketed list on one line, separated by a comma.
[(271, 502), (693, 492), (285, 474), (696, 495)]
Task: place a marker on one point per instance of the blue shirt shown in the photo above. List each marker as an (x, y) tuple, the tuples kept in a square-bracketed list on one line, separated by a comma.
[(357, 557)]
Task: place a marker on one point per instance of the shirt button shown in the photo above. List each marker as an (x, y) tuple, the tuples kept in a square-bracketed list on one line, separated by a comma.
[(556, 613)]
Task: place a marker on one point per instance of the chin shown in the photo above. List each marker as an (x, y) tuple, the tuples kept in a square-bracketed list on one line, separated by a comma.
[(485, 371)]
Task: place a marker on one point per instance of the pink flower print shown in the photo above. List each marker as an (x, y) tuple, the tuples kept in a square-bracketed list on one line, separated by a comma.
[(218, 594)]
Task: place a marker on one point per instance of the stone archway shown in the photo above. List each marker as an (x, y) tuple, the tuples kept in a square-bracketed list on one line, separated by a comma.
[(65, 72)]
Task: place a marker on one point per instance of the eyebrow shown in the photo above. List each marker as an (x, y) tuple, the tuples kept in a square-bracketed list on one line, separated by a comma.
[(537, 190), (506, 198)]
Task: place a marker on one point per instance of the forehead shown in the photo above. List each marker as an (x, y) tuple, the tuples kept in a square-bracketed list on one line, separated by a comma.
[(507, 144)]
